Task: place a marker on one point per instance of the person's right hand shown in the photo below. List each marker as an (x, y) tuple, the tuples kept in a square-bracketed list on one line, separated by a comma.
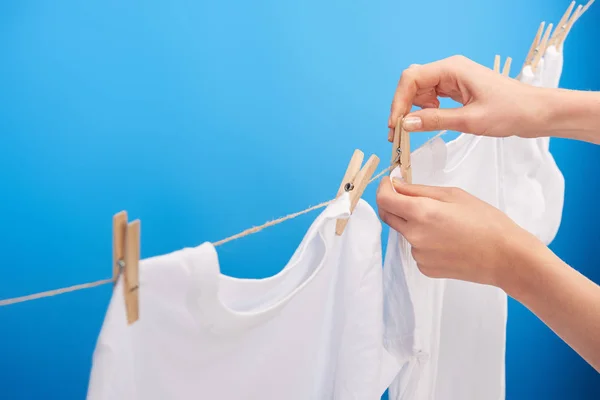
[(493, 105)]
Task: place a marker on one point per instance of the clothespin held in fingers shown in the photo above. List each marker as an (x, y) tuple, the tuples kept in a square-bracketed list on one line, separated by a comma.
[(355, 181), (126, 258), (401, 151)]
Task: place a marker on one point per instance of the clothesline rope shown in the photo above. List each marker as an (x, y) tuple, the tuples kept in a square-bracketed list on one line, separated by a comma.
[(54, 292), (247, 232), (256, 229)]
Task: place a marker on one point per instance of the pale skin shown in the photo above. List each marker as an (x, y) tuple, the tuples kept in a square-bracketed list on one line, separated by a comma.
[(455, 235)]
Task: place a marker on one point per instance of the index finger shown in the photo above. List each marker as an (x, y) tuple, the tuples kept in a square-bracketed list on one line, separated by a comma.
[(394, 203), (413, 79)]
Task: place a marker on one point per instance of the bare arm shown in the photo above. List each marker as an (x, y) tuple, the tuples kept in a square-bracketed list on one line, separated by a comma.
[(568, 302), (572, 114)]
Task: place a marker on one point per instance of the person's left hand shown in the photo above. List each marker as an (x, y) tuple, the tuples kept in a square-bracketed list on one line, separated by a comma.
[(454, 234)]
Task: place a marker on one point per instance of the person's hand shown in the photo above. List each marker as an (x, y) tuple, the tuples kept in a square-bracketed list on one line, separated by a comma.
[(454, 234), (493, 105)]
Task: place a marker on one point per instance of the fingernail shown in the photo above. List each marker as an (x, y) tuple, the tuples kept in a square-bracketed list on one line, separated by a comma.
[(412, 123), (397, 181), (430, 105), (391, 135)]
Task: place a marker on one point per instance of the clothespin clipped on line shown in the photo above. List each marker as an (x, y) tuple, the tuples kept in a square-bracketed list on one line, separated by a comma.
[(507, 65), (126, 258), (497, 63), (560, 40), (541, 48), (401, 151), (562, 24), (586, 7), (534, 45), (355, 181), (566, 23)]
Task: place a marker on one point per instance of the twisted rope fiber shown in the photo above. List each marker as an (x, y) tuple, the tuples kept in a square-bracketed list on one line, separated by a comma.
[(247, 232)]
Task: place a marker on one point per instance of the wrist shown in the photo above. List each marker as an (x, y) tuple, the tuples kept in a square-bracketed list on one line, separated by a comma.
[(524, 263), (569, 114)]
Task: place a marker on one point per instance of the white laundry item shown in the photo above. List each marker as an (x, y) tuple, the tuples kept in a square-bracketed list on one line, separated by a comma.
[(533, 186), (553, 64), (448, 335), (313, 331)]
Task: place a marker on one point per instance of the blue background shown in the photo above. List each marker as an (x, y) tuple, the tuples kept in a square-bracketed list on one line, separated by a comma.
[(205, 118)]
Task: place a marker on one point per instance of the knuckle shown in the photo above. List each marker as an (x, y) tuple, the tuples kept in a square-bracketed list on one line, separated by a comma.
[(436, 119), (458, 58), (455, 192), (421, 210), (474, 122), (409, 74), (415, 238), (429, 212)]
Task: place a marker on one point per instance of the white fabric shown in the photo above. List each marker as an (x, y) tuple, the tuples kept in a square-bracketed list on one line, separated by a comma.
[(534, 187), (553, 63), (449, 335), (313, 331)]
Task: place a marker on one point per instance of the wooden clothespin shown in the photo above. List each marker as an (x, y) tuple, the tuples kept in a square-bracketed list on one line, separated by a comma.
[(534, 46), (562, 24), (560, 40), (541, 49), (497, 63), (401, 151), (567, 21), (355, 181), (585, 8), (126, 258), (507, 65)]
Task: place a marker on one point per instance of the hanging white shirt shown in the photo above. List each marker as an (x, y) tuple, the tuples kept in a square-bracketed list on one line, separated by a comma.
[(450, 335), (313, 331)]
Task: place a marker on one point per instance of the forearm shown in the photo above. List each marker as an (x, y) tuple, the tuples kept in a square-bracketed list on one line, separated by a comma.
[(570, 114), (565, 300)]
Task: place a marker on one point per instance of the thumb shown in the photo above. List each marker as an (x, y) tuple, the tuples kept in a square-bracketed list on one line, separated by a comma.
[(438, 119), (412, 190)]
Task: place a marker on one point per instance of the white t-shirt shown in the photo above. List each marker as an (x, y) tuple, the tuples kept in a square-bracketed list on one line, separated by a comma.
[(449, 335), (313, 331)]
